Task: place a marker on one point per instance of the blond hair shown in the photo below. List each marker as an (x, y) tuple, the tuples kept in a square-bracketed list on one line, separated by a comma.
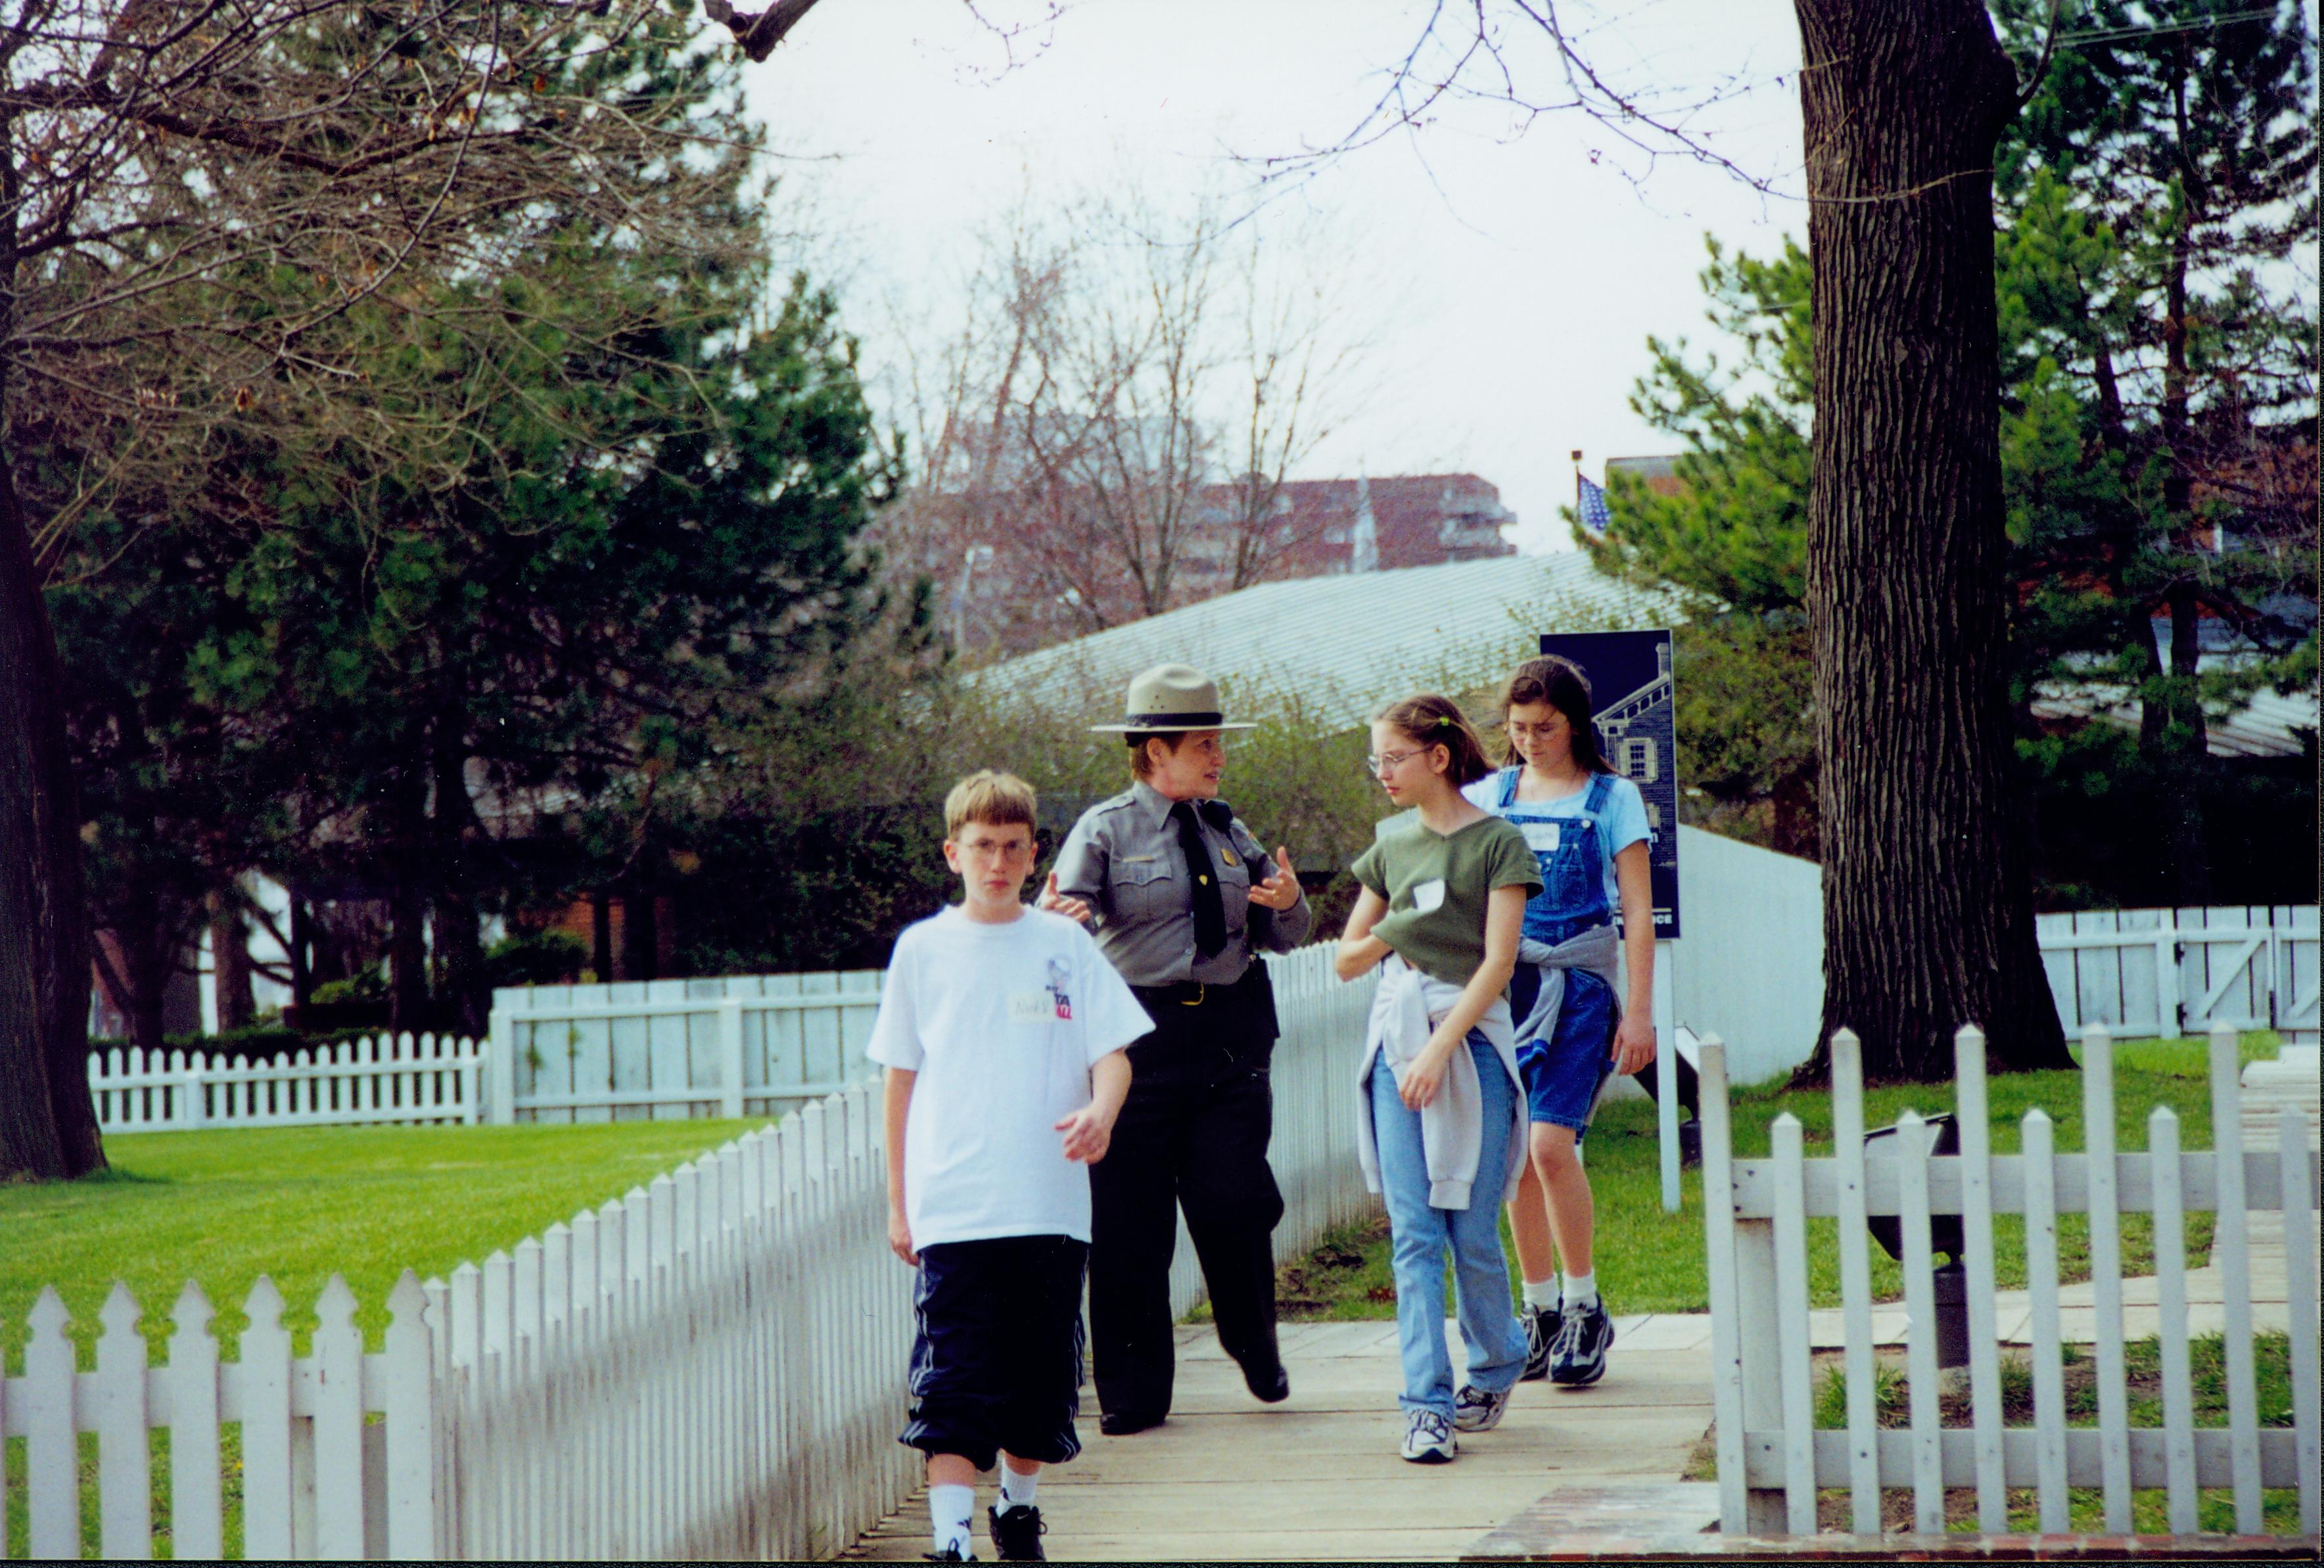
[(993, 798)]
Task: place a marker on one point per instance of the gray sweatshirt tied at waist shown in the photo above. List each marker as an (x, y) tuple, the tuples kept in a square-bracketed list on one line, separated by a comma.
[(1594, 951)]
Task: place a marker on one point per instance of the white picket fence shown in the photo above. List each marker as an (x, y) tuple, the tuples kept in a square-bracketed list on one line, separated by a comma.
[(426, 1078), (744, 1045), (2170, 972), (1771, 1457), (712, 1366), (762, 1045), (1314, 1146)]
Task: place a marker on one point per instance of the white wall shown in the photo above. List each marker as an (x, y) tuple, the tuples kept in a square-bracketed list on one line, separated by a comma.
[(1748, 963)]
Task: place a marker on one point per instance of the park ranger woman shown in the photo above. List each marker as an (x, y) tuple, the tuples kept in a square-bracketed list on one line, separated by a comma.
[(1181, 896)]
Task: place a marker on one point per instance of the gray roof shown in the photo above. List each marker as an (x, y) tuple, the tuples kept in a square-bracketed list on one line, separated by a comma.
[(2271, 726), (1347, 642)]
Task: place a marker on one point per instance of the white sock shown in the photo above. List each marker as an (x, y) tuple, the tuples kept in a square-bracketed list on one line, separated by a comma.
[(1541, 1294), (1017, 1490), (1580, 1291), (950, 1507)]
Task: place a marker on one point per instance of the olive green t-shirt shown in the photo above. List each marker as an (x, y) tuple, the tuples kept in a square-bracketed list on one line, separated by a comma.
[(1437, 887)]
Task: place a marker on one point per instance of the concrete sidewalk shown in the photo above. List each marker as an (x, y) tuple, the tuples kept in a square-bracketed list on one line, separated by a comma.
[(1318, 1477)]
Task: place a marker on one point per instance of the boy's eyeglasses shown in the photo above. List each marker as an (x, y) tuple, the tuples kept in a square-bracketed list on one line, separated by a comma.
[(1387, 759)]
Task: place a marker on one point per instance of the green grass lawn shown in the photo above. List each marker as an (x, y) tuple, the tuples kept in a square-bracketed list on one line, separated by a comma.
[(298, 1203), (1651, 1261)]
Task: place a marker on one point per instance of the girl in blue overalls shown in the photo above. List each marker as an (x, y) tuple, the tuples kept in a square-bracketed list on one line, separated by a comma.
[(1588, 833)]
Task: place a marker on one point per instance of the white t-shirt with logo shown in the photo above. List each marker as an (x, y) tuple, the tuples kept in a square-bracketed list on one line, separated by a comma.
[(1002, 1024)]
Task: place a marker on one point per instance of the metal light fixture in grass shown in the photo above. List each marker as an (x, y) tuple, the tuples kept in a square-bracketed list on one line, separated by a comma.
[(1948, 1280)]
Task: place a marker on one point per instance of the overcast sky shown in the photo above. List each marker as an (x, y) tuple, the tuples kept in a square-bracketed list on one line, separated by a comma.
[(1511, 281)]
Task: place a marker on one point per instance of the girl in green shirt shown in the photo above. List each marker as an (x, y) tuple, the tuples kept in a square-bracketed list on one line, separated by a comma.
[(1445, 890)]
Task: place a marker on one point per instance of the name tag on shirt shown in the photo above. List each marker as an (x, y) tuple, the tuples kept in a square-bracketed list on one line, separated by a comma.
[(1032, 1006), (1541, 837), (1429, 895)]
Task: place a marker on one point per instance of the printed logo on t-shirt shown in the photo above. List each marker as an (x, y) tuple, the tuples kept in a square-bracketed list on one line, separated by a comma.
[(1053, 1005)]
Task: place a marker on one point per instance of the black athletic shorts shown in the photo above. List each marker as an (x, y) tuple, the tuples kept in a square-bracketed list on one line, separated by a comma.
[(997, 1363)]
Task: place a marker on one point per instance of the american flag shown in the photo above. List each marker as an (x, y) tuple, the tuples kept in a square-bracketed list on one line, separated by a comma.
[(1590, 502)]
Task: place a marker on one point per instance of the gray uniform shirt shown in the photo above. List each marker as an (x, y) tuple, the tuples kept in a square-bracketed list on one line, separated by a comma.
[(1123, 857)]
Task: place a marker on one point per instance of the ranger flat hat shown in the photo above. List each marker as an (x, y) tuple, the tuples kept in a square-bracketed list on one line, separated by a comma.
[(1170, 697)]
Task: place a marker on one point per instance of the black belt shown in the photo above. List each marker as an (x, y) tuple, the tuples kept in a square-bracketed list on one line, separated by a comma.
[(1184, 994), (1249, 991)]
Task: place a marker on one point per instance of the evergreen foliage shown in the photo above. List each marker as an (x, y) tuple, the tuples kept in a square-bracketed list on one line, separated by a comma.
[(2157, 448), (458, 627)]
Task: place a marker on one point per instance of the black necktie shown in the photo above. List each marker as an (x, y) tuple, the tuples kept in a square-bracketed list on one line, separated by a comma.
[(1209, 908)]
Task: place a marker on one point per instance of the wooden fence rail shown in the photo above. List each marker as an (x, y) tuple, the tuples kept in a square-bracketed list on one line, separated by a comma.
[(709, 1366), (1771, 1459)]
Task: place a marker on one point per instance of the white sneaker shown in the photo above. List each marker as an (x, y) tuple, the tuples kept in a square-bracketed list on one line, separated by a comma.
[(1428, 1438)]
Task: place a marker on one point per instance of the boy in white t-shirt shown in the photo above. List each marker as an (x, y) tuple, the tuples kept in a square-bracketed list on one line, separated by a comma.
[(1003, 1031)]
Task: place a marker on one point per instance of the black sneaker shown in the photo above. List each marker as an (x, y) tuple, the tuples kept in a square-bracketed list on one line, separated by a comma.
[(949, 1554), (1016, 1533), (1540, 1325), (1582, 1338)]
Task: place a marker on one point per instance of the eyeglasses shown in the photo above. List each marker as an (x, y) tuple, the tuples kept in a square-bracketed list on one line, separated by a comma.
[(1518, 731), (1386, 761)]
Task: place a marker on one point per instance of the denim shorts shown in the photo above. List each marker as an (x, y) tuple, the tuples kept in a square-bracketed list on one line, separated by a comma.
[(1563, 1073)]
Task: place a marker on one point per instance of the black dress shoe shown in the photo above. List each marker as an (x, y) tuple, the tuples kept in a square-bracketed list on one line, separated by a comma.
[(1122, 1423), (1269, 1385)]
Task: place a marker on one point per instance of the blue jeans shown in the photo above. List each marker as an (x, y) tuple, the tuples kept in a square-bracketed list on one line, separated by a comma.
[(1423, 1234)]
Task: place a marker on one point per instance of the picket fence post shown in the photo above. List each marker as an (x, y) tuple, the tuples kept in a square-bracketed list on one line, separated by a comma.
[(2230, 1247), (500, 1065), (2106, 1276), (730, 1057), (1855, 1281)]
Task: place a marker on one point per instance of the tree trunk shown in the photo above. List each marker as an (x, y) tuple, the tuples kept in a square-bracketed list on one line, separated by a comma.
[(641, 948), (302, 958), (2183, 755), (230, 964), (48, 1121), (1926, 840), (601, 936), (148, 966), (2183, 748), (416, 870), (467, 993)]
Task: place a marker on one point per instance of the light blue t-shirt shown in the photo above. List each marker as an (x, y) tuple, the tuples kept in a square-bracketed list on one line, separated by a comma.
[(1622, 824)]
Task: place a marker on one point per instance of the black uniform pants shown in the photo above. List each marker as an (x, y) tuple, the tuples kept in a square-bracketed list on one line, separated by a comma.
[(1192, 1135)]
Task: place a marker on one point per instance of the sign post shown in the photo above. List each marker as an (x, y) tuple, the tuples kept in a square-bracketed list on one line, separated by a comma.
[(1638, 734)]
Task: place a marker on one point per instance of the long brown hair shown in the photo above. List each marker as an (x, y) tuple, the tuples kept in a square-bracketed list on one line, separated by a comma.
[(1560, 683), (1437, 721)]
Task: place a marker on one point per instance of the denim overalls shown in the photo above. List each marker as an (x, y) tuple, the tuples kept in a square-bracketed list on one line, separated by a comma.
[(1564, 1072)]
